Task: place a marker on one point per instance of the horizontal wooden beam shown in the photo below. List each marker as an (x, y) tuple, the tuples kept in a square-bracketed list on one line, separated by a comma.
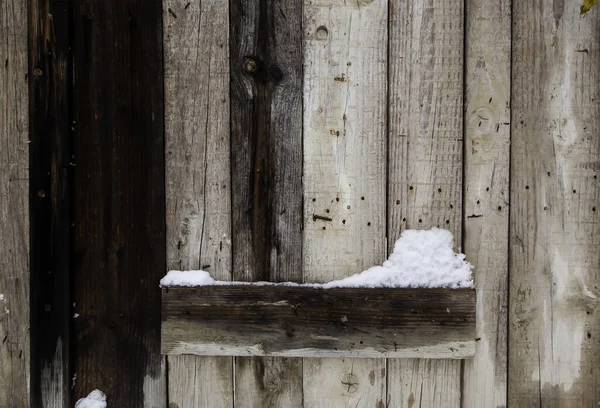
[(293, 321)]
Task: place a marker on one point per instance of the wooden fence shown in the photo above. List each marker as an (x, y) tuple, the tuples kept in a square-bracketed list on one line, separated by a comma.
[(138, 136)]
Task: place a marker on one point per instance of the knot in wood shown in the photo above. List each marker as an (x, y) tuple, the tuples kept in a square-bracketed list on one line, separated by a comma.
[(350, 383), (250, 65)]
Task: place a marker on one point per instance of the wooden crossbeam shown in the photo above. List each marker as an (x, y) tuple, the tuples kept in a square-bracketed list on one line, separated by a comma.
[(246, 320)]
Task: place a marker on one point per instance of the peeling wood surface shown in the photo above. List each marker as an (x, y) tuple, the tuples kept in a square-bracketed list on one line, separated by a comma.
[(486, 178), (554, 319), (425, 141), (266, 167), (304, 321), (14, 207), (345, 71), (119, 200), (198, 187)]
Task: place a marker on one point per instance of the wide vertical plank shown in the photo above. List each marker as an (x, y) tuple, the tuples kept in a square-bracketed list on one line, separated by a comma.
[(14, 214), (425, 144), (554, 344), (425, 383), (50, 169), (119, 197), (345, 68), (198, 193), (266, 168), (487, 138)]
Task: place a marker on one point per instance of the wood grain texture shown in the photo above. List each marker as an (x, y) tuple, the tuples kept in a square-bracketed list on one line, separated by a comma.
[(14, 207), (345, 71), (554, 351), (424, 383), (304, 321), (425, 133), (354, 383), (50, 170), (487, 138), (266, 168), (119, 191), (197, 161), (200, 382)]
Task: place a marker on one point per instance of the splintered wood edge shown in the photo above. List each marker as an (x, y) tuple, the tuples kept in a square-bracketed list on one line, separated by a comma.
[(288, 321)]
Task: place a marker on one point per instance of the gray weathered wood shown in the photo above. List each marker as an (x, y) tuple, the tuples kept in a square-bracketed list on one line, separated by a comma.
[(554, 329), (425, 133), (266, 168), (345, 70), (487, 138), (311, 322), (14, 214), (198, 174), (425, 383), (353, 383)]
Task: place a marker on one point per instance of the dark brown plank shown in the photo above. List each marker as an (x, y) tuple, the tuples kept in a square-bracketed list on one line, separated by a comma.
[(266, 170), (49, 172), (311, 322), (119, 197)]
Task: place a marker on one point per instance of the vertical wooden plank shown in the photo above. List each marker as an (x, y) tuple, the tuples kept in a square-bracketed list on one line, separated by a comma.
[(119, 192), (345, 69), (266, 168), (200, 382), (425, 383), (14, 214), (198, 192), (554, 351), (425, 144), (487, 137), (49, 191)]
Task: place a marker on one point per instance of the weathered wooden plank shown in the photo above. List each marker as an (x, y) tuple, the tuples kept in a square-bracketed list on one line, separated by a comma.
[(266, 168), (303, 321), (487, 137), (345, 69), (49, 173), (554, 330), (200, 382), (425, 383), (198, 192), (425, 131), (357, 382), (119, 191), (14, 207)]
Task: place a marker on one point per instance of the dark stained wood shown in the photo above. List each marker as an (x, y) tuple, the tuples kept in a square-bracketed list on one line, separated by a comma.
[(50, 171), (305, 321), (266, 170), (266, 137), (119, 194)]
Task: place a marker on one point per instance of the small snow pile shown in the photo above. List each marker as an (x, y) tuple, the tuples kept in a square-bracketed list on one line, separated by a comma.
[(421, 259), (187, 278), (95, 399)]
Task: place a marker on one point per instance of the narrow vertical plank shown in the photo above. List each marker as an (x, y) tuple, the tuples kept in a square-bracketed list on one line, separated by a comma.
[(198, 192), (266, 168), (425, 383), (487, 138), (345, 68), (554, 344), (49, 192), (119, 192), (425, 145), (14, 210)]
